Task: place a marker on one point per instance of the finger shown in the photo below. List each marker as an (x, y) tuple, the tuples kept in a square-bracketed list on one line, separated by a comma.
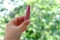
[(27, 13), (24, 25), (24, 29), (17, 21)]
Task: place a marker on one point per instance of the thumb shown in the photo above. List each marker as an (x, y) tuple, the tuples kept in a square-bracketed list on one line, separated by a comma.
[(24, 25)]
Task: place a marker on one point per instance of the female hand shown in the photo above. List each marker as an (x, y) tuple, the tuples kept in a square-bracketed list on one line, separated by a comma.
[(15, 28)]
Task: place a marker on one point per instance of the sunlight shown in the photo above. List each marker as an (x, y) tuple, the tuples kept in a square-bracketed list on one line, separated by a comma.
[(57, 1), (9, 5)]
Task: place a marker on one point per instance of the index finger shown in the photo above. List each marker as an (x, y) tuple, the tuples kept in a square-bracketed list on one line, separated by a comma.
[(27, 16)]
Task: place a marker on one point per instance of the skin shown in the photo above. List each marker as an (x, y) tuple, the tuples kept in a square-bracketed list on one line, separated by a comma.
[(27, 16), (14, 28), (17, 26)]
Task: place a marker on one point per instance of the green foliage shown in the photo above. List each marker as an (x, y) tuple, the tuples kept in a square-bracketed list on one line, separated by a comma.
[(45, 19)]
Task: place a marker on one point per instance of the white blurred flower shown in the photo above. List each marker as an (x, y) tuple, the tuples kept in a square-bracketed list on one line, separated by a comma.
[(51, 23), (57, 17), (43, 20), (43, 11)]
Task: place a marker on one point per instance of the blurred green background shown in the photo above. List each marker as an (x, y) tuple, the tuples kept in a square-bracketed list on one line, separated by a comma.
[(45, 18)]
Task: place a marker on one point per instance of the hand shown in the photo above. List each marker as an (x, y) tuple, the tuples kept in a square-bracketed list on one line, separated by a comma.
[(15, 28)]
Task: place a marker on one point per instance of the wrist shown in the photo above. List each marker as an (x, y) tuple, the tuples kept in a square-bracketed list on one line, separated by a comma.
[(9, 37)]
